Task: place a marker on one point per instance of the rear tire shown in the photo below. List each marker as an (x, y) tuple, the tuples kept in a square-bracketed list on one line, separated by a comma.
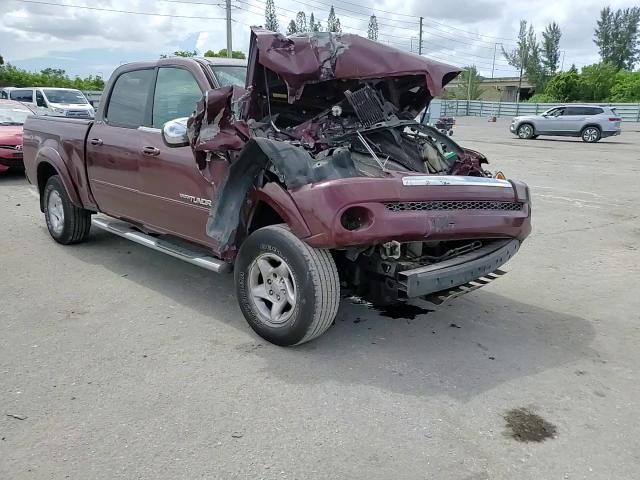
[(288, 291), (591, 134), (67, 223), (525, 131)]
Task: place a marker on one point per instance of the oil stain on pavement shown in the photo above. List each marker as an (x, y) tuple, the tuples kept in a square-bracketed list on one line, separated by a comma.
[(525, 426)]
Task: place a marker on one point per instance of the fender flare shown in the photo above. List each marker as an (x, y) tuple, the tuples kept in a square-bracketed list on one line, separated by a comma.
[(48, 155), (279, 199)]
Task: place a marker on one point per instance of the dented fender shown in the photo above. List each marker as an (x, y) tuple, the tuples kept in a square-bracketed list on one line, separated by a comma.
[(280, 200)]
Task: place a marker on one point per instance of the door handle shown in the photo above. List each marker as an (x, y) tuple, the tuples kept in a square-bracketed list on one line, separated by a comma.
[(150, 151), (96, 141)]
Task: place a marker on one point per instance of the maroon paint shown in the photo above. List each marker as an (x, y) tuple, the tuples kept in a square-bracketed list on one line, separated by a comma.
[(145, 190)]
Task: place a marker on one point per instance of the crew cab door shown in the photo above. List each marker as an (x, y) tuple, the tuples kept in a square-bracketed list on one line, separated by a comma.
[(113, 146), (176, 195)]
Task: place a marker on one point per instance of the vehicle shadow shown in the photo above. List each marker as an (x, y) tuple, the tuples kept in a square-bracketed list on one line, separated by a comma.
[(13, 176), (479, 342)]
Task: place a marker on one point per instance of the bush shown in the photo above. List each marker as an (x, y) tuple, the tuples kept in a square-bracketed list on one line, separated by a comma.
[(11, 76), (542, 98), (626, 87)]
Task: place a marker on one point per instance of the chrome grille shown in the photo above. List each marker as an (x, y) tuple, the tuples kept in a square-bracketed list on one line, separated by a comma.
[(449, 205)]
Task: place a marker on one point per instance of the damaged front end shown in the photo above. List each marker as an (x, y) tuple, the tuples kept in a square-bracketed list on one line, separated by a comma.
[(327, 120)]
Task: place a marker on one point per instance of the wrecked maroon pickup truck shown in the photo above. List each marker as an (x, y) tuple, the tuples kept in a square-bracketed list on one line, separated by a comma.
[(309, 177)]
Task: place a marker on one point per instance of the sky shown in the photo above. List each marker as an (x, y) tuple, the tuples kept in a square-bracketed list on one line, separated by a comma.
[(85, 41)]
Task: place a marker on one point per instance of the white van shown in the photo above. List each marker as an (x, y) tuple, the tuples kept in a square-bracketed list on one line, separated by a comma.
[(66, 102)]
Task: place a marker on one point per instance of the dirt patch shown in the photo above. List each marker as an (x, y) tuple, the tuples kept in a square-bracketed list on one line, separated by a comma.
[(402, 310), (526, 426)]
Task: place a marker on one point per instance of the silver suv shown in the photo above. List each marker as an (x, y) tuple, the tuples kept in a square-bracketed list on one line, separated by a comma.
[(590, 122)]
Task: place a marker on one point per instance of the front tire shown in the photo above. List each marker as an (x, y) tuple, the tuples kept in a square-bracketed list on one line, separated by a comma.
[(591, 134), (288, 291), (67, 223), (525, 131)]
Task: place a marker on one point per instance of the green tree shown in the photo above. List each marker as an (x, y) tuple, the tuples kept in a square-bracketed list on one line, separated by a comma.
[(616, 36), (181, 53), (291, 28), (270, 17), (564, 86), (372, 30), (313, 25), (223, 54), (596, 81), (333, 22), (301, 22), (1, 60), (551, 48), (11, 76), (626, 87), (465, 90)]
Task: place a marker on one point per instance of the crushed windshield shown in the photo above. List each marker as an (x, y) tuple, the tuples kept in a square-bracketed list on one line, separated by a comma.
[(13, 116), (65, 96), (230, 74)]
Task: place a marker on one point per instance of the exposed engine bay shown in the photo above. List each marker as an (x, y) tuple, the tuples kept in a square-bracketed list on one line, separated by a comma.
[(378, 135)]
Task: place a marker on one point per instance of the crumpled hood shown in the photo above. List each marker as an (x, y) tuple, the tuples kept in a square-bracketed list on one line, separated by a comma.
[(315, 57)]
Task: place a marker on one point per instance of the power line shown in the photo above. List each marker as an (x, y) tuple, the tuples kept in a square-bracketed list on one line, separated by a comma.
[(113, 10)]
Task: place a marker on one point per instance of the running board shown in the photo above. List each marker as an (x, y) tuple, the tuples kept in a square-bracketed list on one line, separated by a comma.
[(192, 256)]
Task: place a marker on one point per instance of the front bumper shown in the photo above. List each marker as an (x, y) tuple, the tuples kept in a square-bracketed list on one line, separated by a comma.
[(471, 270), (11, 158)]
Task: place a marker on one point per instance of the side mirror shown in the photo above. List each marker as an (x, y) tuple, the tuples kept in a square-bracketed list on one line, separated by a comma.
[(544, 115), (174, 133)]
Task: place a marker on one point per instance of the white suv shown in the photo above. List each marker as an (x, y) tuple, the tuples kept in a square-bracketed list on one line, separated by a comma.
[(590, 122)]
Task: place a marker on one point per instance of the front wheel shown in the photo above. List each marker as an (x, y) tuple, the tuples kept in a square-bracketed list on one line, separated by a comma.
[(525, 131), (67, 223), (591, 134), (288, 291)]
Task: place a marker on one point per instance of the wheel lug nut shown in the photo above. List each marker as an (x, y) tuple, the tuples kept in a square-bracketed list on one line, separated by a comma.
[(277, 297), (270, 292), (269, 281)]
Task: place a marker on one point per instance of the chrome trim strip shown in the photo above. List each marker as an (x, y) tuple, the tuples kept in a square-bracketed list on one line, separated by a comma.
[(149, 129), (424, 180)]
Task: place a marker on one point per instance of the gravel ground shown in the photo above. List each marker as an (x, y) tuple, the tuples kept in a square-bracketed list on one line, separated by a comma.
[(117, 362)]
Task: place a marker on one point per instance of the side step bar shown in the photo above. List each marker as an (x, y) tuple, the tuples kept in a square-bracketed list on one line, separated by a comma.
[(193, 256)]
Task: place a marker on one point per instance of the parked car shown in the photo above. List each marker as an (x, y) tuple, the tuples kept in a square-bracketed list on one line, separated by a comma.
[(304, 184), (12, 118), (4, 92), (590, 122), (66, 102)]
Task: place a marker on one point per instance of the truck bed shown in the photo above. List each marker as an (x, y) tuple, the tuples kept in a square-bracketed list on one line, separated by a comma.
[(60, 141)]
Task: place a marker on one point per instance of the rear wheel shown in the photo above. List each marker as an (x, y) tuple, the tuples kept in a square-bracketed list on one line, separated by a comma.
[(288, 291), (67, 223), (525, 131), (591, 134)]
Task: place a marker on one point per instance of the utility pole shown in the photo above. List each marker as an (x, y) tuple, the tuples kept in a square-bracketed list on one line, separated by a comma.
[(495, 49), (420, 38), (562, 66), (229, 41)]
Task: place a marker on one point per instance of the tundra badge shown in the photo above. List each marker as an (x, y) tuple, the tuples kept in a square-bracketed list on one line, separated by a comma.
[(195, 200)]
